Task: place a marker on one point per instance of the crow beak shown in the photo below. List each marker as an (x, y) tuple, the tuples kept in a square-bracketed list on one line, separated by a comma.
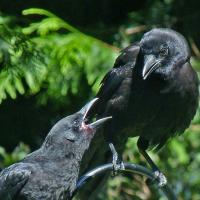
[(94, 125), (150, 65), (84, 111), (97, 124)]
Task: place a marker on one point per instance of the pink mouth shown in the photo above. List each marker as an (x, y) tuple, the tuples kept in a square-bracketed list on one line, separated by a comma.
[(86, 127), (91, 127)]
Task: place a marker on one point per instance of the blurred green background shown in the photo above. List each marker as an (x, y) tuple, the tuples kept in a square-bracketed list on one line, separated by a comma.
[(53, 54)]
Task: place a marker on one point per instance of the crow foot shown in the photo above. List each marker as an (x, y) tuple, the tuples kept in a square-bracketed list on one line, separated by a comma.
[(118, 164), (160, 178)]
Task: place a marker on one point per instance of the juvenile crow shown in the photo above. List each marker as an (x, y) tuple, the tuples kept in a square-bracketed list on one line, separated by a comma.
[(51, 172), (151, 92)]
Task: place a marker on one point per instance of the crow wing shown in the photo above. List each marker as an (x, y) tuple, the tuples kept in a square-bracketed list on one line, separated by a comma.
[(121, 70), (12, 180)]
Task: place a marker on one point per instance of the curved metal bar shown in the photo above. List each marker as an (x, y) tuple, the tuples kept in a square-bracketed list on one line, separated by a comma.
[(129, 167)]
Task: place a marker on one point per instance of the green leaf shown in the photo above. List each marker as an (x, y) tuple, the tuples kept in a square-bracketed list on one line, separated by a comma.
[(19, 86), (10, 90), (37, 11), (58, 22)]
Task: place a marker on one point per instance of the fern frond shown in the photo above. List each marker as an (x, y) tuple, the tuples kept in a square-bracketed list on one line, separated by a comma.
[(38, 57), (19, 61)]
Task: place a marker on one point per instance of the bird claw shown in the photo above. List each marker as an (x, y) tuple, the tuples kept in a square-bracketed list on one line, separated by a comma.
[(159, 178), (118, 164), (162, 180)]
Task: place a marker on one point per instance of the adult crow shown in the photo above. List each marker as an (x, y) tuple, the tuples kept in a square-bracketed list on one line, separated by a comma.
[(51, 172), (151, 92)]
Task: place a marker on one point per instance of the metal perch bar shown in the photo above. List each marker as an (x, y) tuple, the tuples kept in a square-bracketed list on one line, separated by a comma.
[(129, 167)]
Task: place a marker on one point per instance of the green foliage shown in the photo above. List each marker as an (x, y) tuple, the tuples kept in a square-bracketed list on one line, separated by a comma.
[(40, 58), (53, 60), (20, 63), (18, 153), (50, 23), (69, 55)]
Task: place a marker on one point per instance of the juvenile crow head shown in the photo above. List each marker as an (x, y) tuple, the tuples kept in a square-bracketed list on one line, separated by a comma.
[(73, 131), (163, 51)]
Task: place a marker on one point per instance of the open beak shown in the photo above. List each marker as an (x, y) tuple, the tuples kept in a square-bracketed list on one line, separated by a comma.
[(150, 65), (94, 125), (97, 124), (85, 110)]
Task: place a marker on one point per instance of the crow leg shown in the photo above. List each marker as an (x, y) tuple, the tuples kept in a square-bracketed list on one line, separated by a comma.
[(118, 164), (158, 174)]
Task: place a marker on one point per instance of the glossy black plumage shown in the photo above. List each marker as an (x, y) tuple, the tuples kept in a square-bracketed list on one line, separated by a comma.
[(152, 90)]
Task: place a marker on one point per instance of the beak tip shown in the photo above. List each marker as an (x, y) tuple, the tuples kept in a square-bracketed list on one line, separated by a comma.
[(144, 77)]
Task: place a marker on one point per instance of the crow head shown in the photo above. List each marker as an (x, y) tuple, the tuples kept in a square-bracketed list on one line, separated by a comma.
[(73, 132), (163, 51)]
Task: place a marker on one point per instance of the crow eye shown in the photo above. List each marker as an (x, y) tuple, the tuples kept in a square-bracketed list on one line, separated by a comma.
[(164, 50), (75, 128)]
